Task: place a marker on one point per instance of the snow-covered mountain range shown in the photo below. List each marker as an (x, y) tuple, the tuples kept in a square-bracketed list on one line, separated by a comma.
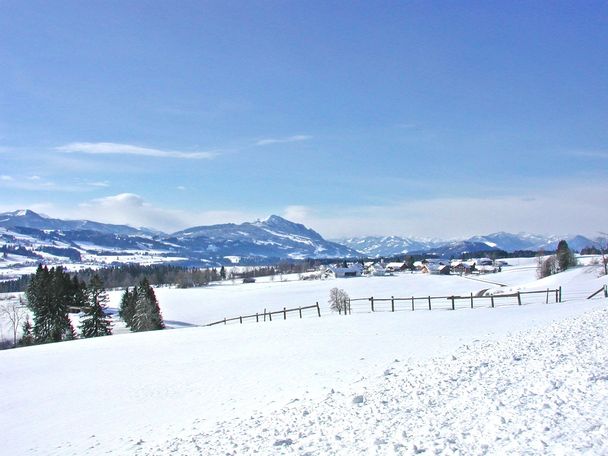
[(26, 233), (26, 236), (375, 246)]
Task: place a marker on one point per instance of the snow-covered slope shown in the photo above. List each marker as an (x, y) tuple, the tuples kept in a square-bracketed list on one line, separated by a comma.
[(30, 219), (386, 246), (504, 380)]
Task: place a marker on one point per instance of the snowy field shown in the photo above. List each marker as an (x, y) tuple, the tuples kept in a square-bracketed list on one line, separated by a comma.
[(529, 379)]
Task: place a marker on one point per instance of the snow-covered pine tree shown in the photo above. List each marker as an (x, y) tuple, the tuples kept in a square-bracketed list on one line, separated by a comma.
[(96, 322), (147, 316)]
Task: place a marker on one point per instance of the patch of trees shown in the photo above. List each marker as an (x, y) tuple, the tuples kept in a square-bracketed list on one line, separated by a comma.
[(18, 250), (50, 296), (72, 254), (139, 308), (16, 285), (338, 300), (562, 260), (162, 274)]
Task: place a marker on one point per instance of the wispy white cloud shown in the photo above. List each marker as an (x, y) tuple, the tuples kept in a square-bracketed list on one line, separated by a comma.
[(289, 139), (108, 148), (297, 213), (100, 184), (41, 184)]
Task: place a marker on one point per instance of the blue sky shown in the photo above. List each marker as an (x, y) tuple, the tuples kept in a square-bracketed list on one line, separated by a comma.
[(438, 119)]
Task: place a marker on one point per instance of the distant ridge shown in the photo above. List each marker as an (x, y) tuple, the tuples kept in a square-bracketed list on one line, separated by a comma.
[(377, 246), (271, 239)]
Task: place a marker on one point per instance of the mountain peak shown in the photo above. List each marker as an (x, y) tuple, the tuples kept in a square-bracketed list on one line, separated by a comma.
[(26, 213)]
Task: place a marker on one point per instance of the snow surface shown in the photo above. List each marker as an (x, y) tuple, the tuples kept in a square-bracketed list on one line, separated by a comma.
[(529, 379)]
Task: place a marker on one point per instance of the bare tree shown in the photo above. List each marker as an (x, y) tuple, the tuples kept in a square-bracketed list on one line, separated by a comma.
[(15, 313), (338, 300), (603, 242)]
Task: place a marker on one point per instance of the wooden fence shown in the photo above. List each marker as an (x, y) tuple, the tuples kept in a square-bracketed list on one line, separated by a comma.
[(267, 316), (603, 289), (393, 304)]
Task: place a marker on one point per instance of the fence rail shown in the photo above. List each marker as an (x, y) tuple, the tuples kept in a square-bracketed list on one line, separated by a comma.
[(394, 304), (267, 315), (603, 289)]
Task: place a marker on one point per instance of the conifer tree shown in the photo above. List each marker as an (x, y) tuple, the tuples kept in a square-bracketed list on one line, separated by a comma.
[(147, 316), (565, 257), (96, 322), (127, 306), (28, 337)]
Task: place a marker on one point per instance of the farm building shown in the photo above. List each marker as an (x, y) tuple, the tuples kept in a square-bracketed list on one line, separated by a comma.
[(396, 266), (436, 268), (353, 270), (376, 270), (460, 267)]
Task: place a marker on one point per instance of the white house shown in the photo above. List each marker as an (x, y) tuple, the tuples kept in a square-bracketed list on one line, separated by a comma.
[(376, 270), (352, 270)]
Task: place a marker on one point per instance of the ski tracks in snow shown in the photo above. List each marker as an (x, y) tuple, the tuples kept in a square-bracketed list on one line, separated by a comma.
[(539, 391)]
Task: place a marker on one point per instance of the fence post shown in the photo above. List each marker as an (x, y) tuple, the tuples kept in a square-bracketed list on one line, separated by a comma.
[(560, 293), (350, 310), (547, 300), (492, 299), (392, 303), (556, 294), (264, 313), (372, 301), (519, 298), (224, 320), (284, 313), (241, 319), (318, 309), (257, 318), (300, 309), (429, 303), (412, 303), (270, 315), (453, 307), (471, 299), (605, 291)]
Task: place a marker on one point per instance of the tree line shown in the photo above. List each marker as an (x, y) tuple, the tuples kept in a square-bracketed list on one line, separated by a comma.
[(130, 275)]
